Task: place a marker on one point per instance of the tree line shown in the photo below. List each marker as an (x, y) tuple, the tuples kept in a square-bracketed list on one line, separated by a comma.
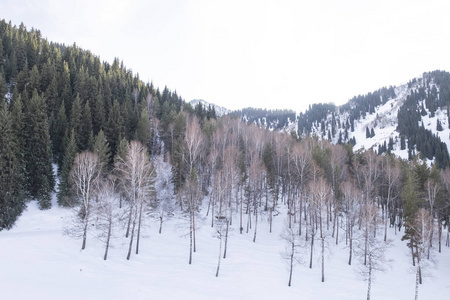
[(125, 152)]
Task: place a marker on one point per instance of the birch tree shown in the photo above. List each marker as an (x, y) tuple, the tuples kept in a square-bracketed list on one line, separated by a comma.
[(136, 175), (84, 176)]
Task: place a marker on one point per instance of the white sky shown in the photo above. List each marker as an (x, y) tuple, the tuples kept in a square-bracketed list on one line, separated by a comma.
[(240, 53)]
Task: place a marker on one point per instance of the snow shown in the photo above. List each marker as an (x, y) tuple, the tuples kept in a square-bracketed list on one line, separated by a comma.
[(39, 262)]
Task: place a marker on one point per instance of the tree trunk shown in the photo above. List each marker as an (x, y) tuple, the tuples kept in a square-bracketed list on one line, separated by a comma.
[(160, 223), (139, 229), (220, 254), (193, 230), (86, 223), (226, 242), (107, 240), (131, 239), (291, 263), (369, 281), (129, 221), (323, 259), (190, 240), (256, 224)]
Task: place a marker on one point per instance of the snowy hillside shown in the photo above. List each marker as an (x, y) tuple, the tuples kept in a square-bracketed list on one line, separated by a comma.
[(220, 111), (39, 262)]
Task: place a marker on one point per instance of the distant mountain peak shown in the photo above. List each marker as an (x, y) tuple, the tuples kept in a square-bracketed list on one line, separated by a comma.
[(220, 110)]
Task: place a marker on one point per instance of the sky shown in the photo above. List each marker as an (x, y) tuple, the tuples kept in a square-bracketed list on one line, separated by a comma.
[(253, 53)]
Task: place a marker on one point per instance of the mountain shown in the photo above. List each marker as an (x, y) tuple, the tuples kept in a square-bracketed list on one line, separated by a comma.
[(220, 111), (406, 120), (278, 119)]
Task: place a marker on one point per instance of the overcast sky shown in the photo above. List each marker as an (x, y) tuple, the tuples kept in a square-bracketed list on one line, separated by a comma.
[(240, 53)]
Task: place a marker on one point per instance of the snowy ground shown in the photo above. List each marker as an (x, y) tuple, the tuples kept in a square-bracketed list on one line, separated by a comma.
[(39, 262)]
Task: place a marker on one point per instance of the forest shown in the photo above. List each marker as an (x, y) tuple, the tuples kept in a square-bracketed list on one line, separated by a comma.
[(121, 151)]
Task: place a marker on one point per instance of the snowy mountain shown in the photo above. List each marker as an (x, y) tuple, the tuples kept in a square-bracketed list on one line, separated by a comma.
[(406, 120), (220, 111)]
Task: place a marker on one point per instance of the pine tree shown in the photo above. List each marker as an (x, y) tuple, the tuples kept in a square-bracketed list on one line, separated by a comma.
[(113, 128), (143, 130), (3, 88), (65, 192), (87, 138), (439, 125), (76, 121), (101, 148), (38, 156), (11, 194)]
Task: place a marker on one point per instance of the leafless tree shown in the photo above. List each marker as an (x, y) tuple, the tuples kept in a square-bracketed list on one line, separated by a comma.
[(164, 205), (108, 211), (136, 175), (422, 235), (392, 176), (371, 249), (192, 197), (292, 246), (84, 177), (352, 200), (193, 141)]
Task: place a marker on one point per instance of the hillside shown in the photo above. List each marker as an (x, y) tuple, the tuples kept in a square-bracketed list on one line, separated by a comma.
[(41, 263), (402, 120), (111, 184)]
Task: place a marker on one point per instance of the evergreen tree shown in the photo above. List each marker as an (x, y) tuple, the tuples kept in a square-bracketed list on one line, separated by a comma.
[(101, 148), (113, 128), (367, 133), (38, 156), (11, 194), (439, 125), (143, 130), (86, 132), (65, 193), (76, 121), (3, 88)]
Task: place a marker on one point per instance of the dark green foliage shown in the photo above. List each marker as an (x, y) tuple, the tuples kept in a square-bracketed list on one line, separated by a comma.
[(114, 129), (38, 156), (101, 148), (143, 130), (11, 192), (65, 192), (3, 88), (439, 125)]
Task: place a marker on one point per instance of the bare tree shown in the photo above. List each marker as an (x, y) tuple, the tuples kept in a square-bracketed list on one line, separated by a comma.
[(193, 141), (109, 213), (392, 176), (422, 235), (371, 250), (192, 197), (164, 205), (352, 200), (136, 175), (84, 176), (291, 251)]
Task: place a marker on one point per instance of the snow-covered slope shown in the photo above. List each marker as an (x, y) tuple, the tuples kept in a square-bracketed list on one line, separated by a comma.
[(39, 262), (220, 111), (384, 122)]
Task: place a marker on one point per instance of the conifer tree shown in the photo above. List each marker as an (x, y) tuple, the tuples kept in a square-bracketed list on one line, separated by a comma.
[(113, 128), (101, 148), (143, 130), (76, 121), (86, 132), (38, 156), (65, 192), (11, 194)]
